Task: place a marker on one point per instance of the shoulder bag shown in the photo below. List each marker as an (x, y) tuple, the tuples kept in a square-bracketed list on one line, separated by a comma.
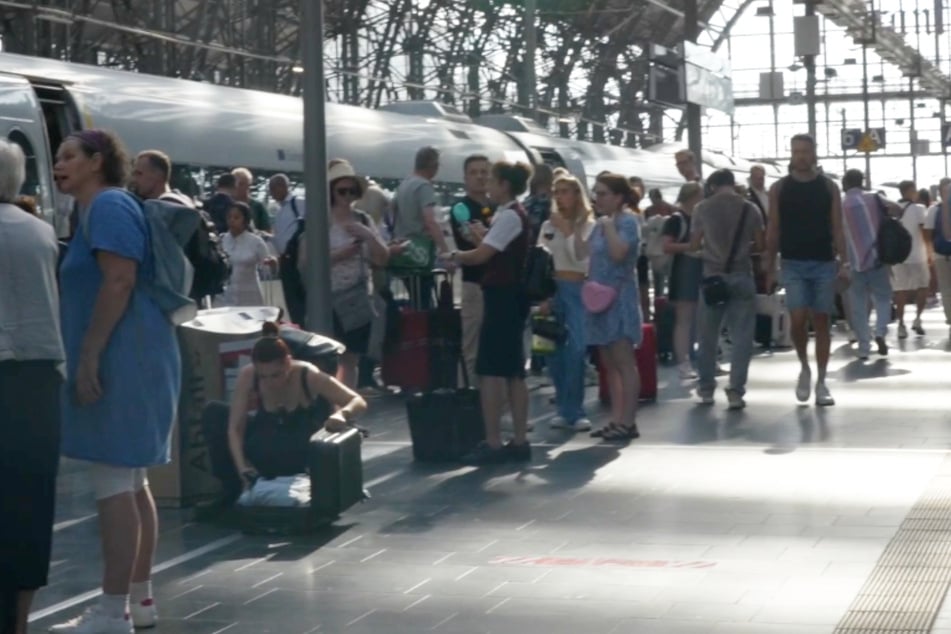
[(715, 290)]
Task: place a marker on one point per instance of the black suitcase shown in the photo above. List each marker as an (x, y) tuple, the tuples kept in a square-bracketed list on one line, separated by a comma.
[(445, 337), (445, 424), (336, 472)]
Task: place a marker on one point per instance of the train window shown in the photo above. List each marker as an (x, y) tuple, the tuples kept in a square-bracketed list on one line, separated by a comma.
[(31, 186)]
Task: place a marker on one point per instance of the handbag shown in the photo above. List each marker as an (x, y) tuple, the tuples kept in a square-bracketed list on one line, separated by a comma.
[(419, 252), (715, 290), (597, 297), (353, 306), (549, 328)]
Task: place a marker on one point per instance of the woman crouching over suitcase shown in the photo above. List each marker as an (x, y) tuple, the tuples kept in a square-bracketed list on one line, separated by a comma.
[(500, 363), (277, 405)]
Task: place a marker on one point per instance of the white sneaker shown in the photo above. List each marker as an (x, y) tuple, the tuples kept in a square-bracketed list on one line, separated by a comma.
[(804, 386), (686, 371), (560, 422), (705, 399), (736, 401), (902, 331), (582, 424), (144, 615), (823, 397), (93, 621)]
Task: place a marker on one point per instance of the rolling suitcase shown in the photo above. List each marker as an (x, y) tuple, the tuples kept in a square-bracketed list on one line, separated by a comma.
[(646, 357), (445, 337), (336, 473), (405, 362), (445, 424), (664, 320), (772, 321)]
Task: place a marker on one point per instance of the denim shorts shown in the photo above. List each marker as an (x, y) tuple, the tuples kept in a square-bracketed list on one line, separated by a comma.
[(810, 284)]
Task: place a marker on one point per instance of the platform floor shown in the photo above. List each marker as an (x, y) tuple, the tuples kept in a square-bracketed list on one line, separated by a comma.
[(767, 521)]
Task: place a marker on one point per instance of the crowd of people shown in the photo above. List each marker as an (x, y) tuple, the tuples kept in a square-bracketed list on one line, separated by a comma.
[(82, 329)]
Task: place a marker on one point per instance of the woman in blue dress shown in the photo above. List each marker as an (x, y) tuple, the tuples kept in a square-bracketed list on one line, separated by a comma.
[(617, 329), (123, 374)]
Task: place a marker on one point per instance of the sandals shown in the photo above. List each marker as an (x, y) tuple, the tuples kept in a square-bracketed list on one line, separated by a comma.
[(614, 432)]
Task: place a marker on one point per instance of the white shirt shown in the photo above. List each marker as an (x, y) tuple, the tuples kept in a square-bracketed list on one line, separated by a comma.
[(29, 296), (285, 221), (506, 226), (562, 247), (245, 252), (913, 219)]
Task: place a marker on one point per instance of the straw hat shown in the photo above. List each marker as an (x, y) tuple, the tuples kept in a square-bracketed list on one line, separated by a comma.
[(344, 169)]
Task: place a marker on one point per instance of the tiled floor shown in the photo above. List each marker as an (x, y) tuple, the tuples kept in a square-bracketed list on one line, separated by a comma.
[(766, 521)]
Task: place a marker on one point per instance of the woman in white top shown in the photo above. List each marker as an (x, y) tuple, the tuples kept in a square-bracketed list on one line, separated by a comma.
[(566, 234), (246, 251)]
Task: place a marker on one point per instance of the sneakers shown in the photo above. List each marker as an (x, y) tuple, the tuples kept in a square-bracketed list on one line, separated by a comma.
[(705, 399), (882, 346), (582, 424), (735, 401), (823, 397), (916, 326), (804, 386), (902, 331), (560, 422), (94, 621), (686, 371), (517, 453), (144, 615)]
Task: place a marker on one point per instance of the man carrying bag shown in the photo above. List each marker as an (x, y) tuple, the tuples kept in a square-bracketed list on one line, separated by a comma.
[(727, 228)]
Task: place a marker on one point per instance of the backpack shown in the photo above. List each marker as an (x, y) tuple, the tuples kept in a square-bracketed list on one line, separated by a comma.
[(209, 259), (539, 275), (894, 240), (654, 239), (942, 245), (170, 227)]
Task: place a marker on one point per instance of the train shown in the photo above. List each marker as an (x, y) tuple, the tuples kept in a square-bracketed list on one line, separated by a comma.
[(207, 129)]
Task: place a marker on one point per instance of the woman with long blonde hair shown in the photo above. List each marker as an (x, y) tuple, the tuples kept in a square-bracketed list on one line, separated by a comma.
[(566, 234)]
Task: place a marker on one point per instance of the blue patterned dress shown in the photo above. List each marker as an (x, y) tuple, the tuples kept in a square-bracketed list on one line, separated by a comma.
[(623, 319)]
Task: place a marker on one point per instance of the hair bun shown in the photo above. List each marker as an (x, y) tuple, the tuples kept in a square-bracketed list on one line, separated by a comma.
[(270, 329)]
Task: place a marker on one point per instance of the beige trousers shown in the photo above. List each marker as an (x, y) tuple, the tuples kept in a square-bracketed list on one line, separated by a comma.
[(471, 325), (942, 266)]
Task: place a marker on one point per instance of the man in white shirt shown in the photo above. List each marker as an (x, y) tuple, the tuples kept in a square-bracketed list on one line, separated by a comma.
[(910, 278), (288, 232)]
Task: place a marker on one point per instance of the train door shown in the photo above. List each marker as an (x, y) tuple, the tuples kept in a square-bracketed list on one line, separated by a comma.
[(60, 118), (21, 121)]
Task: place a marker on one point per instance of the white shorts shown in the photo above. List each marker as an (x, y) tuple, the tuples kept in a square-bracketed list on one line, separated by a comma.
[(108, 481), (910, 276)]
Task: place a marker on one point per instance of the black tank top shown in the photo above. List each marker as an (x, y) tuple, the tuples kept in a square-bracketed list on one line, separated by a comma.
[(312, 415), (805, 219)]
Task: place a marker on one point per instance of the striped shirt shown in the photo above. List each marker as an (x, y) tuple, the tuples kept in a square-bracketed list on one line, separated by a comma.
[(862, 212)]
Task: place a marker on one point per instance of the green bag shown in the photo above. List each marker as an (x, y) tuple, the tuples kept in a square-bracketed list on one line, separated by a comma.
[(419, 256)]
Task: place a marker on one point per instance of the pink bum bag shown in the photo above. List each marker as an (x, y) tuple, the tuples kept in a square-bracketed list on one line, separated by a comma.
[(597, 297)]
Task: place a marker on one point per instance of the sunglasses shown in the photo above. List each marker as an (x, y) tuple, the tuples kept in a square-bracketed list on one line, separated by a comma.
[(347, 191)]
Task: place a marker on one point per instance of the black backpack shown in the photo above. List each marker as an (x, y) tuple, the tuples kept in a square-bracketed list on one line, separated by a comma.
[(208, 258), (894, 241), (539, 278)]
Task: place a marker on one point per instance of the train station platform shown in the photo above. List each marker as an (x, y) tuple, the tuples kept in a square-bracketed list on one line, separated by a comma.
[(780, 519)]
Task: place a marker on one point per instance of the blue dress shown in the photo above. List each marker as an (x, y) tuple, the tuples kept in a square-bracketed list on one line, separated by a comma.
[(140, 368), (623, 319)]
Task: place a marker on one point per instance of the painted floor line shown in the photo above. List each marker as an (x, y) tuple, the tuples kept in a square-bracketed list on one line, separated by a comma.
[(59, 526), (171, 563)]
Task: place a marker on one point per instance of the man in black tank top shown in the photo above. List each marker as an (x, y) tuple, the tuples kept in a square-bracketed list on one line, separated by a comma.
[(805, 228)]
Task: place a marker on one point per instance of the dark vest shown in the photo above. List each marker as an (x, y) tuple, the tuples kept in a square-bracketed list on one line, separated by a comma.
[(507, 267), (805, 219), (469, 273)]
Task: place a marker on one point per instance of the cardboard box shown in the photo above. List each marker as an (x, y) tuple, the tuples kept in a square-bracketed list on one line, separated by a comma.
[(214, 346)]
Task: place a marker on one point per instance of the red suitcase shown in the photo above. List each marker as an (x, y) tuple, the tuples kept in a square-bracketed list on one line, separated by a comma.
[(406, 364), (646, 355)]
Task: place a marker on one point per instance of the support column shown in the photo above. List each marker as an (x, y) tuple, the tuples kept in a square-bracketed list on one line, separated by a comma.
[(809, 61), (531, 43), (694, 136), (317, 274)]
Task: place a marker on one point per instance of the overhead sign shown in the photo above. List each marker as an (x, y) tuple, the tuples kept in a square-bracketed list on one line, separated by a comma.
[(869, 141)]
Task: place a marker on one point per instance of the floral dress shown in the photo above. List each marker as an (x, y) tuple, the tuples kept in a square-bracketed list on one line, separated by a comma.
[(623, 319)]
